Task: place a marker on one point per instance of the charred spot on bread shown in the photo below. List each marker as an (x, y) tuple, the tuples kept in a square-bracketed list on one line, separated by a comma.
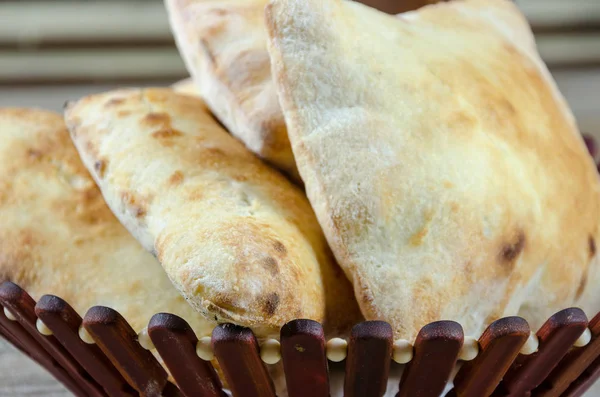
[(270, 304), (215, 151), (279, 247), (100, 167), (176, 178), (114, 102), (240, 178), (34, 154), (417, 238), (271, 265), (160, 119), (166, 133), (582, 283), (140, 212), (513, 248), (592, 246), (137, 205)]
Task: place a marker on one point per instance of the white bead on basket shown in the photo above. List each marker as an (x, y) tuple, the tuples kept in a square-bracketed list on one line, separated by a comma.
[(337, 349), (42, 328), (204, 348)]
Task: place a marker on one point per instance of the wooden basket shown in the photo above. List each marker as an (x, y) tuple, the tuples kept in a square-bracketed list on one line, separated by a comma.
[(102, 355)]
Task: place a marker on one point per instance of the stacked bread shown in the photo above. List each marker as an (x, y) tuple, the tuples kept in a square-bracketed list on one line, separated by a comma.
[(325, 161)]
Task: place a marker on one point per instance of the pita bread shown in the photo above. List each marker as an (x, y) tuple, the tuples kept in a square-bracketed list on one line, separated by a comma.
[(58, 237), (185, 86), (442, 162), (224, 46), (237, 239)]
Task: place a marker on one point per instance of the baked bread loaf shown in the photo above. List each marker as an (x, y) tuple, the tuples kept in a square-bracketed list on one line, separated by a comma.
[(224, 46), (444, 166), (238, 240), (58, 237)]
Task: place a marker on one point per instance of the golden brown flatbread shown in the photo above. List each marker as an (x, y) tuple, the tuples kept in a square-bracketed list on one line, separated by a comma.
[(58, 237), (443, 164), (238, 240)]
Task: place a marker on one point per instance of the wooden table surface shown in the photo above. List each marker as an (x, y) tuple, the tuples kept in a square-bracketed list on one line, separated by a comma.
[(20, 377)]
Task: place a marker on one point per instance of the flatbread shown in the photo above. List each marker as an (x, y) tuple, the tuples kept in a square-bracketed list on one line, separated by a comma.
[(58, 237), (186, 86), (238, 240), (443, 164), (224, 46)]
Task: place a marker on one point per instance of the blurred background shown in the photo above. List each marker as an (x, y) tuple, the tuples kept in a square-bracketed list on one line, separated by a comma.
[(55, 50)]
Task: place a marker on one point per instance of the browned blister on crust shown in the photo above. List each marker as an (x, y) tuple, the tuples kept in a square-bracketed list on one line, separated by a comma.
[(239, 241), (443, 164)]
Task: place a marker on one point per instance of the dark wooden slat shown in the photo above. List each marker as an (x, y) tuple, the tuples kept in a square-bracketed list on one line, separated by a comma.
[(9, 337), (436, 350), (171, 390), (556, 337), (499, 345), (38, 354), (304, 359), (176, 342), (236, 349), (369, 359), (585, 381), (22, 306), (577, 360), (118, 341), (64, 322), (25, 342)]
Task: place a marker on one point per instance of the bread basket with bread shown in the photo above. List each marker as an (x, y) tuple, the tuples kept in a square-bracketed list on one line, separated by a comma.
[(339, 201)]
